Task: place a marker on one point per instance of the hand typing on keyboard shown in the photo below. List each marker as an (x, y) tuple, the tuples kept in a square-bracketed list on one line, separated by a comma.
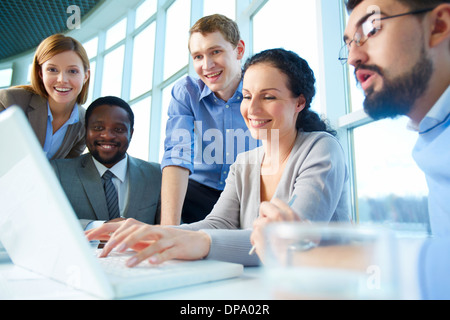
[(155, 243)]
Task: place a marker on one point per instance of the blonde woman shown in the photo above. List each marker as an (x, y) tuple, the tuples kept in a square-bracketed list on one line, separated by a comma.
[(52, 102)]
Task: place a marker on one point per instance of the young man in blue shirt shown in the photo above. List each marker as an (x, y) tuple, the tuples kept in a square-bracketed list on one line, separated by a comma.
[(205, 130)]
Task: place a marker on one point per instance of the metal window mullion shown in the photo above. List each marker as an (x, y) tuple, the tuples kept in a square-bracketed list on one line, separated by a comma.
[(334, 87), (99, 66), (128, 56), (158, 77)]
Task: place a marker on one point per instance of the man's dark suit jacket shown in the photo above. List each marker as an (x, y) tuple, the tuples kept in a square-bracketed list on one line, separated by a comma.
[(83, 186)]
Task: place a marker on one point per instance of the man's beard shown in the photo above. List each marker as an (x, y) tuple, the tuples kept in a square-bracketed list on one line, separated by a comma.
[(113, 160), (119, 155), (398, 95)]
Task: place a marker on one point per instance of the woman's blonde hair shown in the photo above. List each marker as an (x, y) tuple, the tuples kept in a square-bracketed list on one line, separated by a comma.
[(47, 49)]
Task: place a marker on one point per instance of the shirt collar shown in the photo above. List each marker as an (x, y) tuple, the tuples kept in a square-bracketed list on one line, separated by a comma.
[(437, 114), (206, 91), (119, 169)]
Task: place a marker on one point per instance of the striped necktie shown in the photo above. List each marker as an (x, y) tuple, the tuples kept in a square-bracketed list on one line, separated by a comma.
[(111, 195)]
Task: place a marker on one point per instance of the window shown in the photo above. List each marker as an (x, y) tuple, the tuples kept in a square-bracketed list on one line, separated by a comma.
[(143, 59), (113, 72), (142, 64), (5, 77), (145, 11), (116, 33), (177, 34), (287, 30), (391, 188), (357, 95), (225, 7), (29, 73), (91, 47), (139, 146), (91, 84)]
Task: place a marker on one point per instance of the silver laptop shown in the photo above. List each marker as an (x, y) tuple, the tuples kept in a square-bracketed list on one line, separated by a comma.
[(41, 232)]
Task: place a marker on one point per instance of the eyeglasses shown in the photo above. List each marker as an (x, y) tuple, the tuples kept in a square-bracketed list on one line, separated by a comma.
[(367, 29)]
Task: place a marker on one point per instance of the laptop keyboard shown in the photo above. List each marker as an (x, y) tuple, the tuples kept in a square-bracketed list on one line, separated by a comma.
[(115, 264)]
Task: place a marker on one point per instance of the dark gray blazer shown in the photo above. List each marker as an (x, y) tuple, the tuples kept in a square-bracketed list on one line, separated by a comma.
[(83, 186), (35, 108)]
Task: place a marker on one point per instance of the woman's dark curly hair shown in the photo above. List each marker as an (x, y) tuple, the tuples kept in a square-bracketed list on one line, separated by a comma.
[(301, 81)]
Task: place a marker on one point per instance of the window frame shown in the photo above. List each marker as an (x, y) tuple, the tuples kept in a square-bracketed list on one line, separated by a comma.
[(334, 90)]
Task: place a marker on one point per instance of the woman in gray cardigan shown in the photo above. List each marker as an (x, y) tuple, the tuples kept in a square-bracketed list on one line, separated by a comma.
[(299, 157), (52, 102)]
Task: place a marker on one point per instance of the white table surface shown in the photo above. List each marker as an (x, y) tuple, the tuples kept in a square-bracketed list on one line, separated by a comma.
[(18, 283)]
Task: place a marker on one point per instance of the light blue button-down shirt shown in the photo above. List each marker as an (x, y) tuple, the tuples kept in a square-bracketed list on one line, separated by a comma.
[(204, 134), (432, 154), (53, 141)]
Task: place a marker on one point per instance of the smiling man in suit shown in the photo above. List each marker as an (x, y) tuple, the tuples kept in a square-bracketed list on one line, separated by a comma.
[(136, 184)]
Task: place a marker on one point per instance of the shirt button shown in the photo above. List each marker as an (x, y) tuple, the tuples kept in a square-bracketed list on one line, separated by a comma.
[(227, 106)]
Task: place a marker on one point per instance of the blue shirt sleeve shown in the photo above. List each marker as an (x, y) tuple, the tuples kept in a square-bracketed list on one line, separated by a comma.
[(434, 267), (179, 141)]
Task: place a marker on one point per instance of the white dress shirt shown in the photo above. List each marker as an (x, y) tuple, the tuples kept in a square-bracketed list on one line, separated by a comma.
[(120, 181)]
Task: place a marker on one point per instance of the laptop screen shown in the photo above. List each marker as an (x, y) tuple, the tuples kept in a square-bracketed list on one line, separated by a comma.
[(38, 226)]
